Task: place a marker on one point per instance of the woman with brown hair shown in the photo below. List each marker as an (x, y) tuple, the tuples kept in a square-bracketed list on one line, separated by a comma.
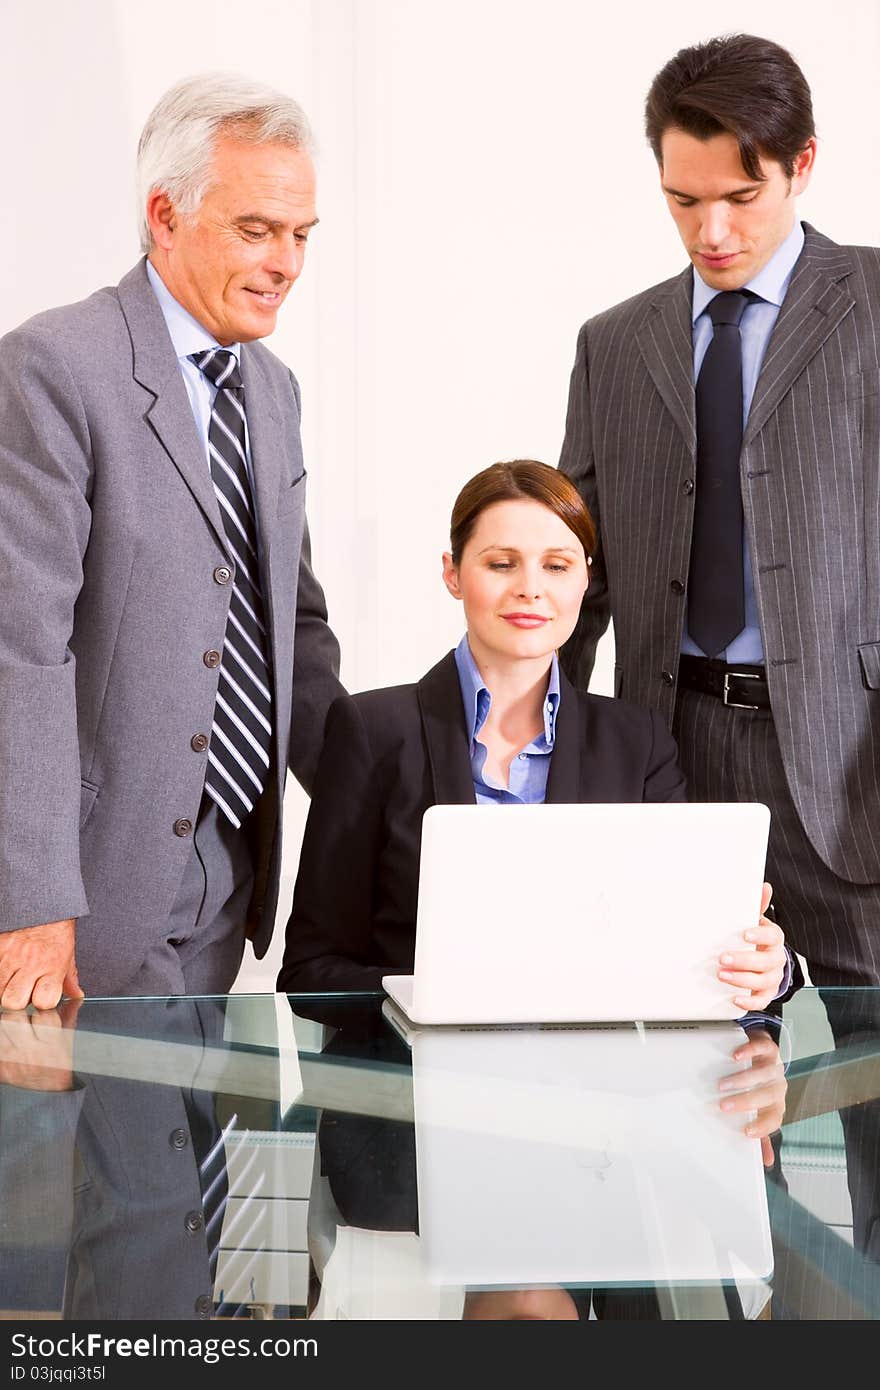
[(495, 721)]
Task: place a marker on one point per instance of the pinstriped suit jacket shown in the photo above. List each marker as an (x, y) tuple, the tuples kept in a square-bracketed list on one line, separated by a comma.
[(810, 476)]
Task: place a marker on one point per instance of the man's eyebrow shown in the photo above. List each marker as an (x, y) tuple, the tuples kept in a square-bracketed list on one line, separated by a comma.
[(251, 217), (733, 192)]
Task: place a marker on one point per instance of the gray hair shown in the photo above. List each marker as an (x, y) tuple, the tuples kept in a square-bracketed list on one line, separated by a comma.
[(176, 148)]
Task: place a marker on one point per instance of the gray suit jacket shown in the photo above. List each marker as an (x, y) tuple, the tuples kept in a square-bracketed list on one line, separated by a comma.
[(810, 474), (109, 537), (97, 1183)]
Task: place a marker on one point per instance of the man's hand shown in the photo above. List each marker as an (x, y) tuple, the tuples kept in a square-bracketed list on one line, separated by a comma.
[(756, 974), (37, 966), (36, 1050)]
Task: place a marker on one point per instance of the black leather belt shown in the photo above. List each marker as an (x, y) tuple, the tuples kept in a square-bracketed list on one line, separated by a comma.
[(739, 686)]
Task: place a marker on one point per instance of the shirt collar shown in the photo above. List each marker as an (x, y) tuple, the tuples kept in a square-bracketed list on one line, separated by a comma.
[(187, 334), (770, 283), (477, 698)]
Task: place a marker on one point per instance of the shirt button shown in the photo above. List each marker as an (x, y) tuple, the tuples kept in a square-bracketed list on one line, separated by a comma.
[(222, 574), (178, 1139), (211, 659), (522, 757), (687, 486), (667, 677), (193, 1222), (183, 827), (198, 743), (677, 587)]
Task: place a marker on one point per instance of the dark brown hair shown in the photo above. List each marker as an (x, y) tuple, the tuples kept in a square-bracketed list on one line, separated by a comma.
[(504, 482), (749, 87)]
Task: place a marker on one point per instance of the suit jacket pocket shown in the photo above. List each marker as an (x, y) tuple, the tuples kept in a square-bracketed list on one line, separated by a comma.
[(292, 496), (862, 384), (869, 657), (88, 794)]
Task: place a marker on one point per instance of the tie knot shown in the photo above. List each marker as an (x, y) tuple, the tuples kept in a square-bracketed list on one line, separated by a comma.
[(729, 306), (220, 367)]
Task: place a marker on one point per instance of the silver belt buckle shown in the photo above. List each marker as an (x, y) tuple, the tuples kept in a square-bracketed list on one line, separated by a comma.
[(740, 676)]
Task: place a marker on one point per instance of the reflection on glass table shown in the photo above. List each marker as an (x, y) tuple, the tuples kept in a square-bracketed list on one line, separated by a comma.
[(258, 1156)]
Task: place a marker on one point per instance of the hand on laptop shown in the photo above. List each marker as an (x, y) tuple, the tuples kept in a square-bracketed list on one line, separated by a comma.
[(760, 1089), (756, 974)]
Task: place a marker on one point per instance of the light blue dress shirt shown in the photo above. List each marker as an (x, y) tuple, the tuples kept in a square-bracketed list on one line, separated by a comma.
[(530, 768), (187, 336), (756, 325)]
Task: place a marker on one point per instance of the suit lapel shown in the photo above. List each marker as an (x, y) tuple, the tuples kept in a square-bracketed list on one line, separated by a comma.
[(665, 341), (816, 301), (564, 781), (156, 368), (442, 713), (265, 436)]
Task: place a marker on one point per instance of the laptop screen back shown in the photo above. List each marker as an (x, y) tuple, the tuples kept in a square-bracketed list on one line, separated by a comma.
[(583, 913)]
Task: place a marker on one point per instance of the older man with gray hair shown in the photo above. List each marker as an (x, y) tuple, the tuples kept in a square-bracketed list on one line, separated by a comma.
[(164, 648)]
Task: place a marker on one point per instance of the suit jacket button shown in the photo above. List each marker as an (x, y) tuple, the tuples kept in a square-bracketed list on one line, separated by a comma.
[(204, 1304), (211, 659), (178, 1139), (687, 486), (222, 574), (667, 677), (198, 743), (183, 827), (193, 1221), (677, 587)]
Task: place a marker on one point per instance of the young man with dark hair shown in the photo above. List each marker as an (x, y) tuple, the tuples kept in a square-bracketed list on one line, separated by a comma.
[(724, 429)]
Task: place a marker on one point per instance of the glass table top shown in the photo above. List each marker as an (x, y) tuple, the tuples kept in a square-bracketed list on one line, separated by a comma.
[(314, 1156)]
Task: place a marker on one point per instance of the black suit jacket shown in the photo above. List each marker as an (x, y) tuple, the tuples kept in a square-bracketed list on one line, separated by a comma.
[(389, 755)]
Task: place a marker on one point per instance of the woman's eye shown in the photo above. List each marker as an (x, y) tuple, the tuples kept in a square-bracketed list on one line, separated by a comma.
[(558, 569), (500, 565)]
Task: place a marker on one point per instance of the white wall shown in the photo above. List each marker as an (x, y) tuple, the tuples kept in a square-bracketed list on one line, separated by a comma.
[(484, 186)]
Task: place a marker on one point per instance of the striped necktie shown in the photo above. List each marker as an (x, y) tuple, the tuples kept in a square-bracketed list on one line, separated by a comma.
[(241, 733)]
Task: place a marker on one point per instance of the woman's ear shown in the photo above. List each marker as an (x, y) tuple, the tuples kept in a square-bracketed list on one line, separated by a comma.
[(450, 575)]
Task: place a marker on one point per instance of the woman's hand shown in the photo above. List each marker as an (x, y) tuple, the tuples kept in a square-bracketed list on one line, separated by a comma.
[(756, 975), (759, 1089)]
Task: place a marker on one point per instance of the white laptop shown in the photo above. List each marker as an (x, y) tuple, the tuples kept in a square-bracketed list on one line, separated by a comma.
[(581, 913), (579, 1156)]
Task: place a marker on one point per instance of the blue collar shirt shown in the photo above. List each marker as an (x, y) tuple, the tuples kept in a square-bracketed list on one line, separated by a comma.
[(188, 336), (530, 768)]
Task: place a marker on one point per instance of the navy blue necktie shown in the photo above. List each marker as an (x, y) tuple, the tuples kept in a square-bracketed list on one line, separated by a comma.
[(716, 604)]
